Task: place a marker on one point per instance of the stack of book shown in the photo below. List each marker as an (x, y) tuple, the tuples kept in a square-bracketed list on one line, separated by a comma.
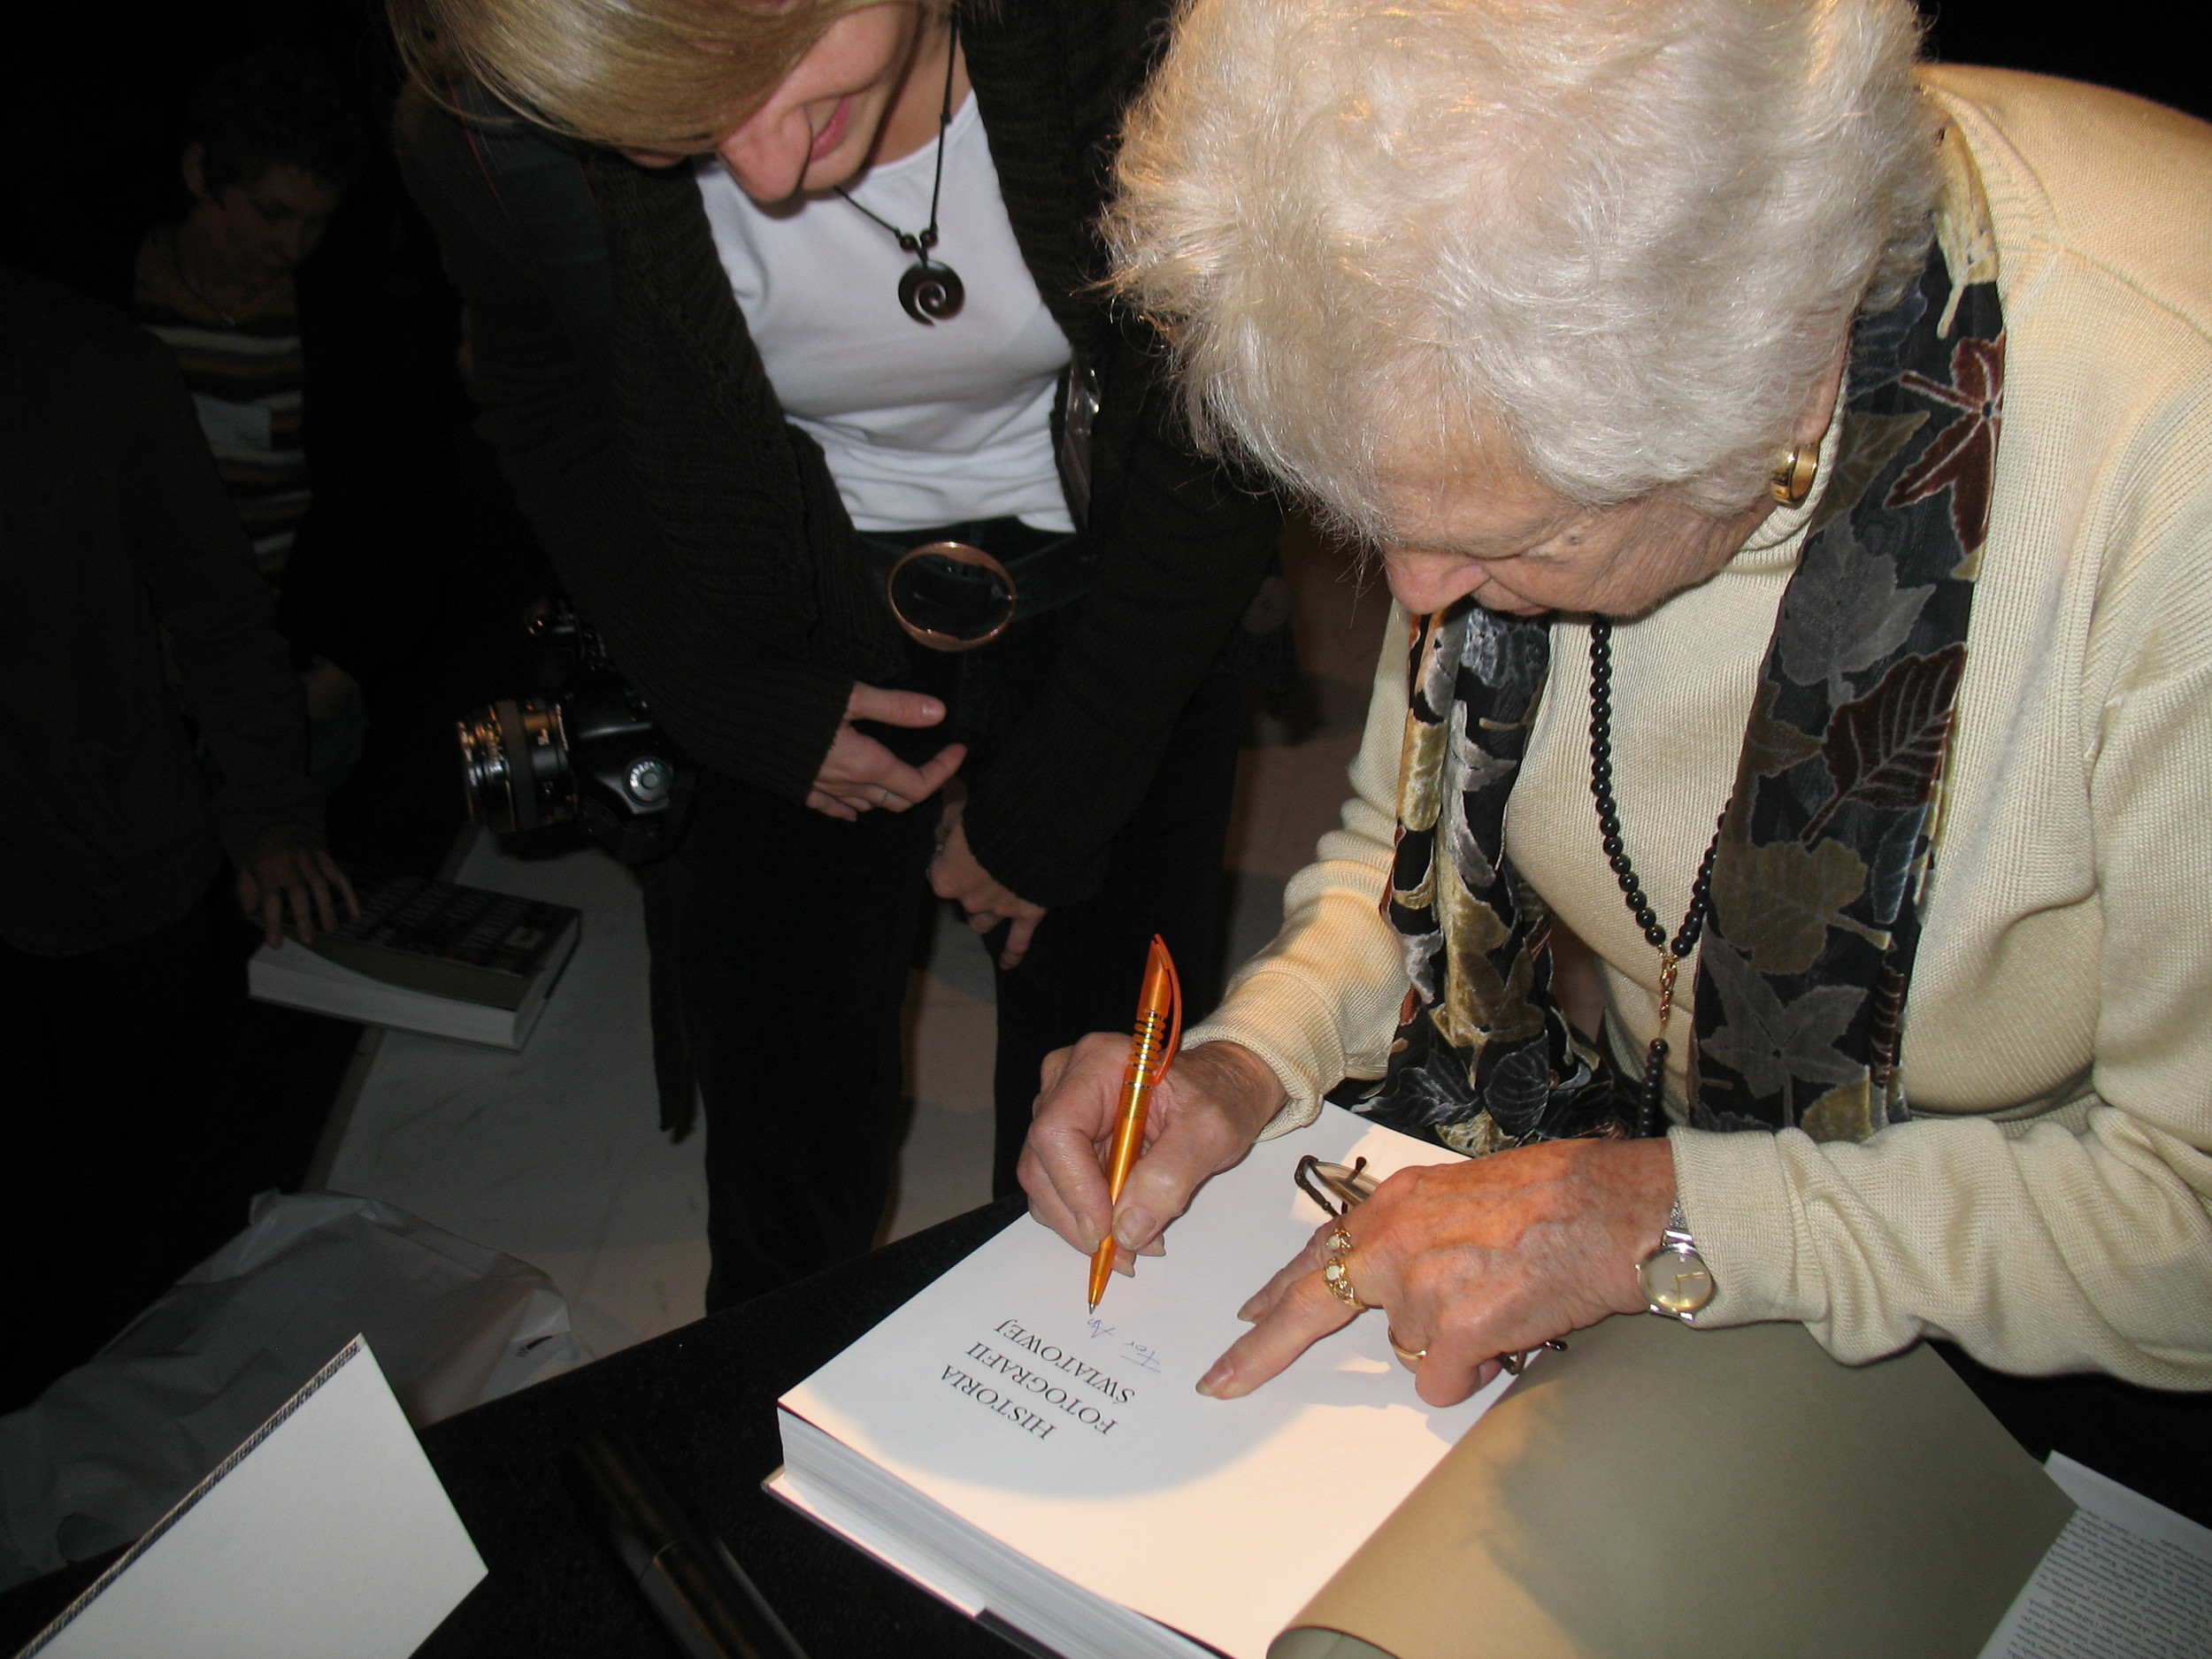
[(429, 956)]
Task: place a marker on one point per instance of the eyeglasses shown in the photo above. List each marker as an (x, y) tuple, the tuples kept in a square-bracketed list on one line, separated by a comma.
[(1338, 1189), (1333, 1187)]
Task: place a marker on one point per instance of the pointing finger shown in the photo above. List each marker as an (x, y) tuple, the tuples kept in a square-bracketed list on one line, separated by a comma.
[(1018, 938), (1305, 1313), (1262, 1301), (339, 880), (934, 771), (326, 911), (893, 708)]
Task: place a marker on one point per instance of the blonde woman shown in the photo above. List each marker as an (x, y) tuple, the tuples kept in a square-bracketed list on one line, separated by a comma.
[(761, 299)]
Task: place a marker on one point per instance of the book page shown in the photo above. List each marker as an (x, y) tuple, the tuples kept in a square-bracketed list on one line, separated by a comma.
[(2127, 1579), (1079, 1440), (326, 1533)]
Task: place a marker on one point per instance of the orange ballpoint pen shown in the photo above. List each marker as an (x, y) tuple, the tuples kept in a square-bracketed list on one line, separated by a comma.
[(1151, 1051)]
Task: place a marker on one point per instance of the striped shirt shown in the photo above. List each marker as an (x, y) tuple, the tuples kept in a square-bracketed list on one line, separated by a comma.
[(245, 375)]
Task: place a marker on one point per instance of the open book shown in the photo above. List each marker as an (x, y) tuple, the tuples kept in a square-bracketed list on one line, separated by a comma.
[(1654, 1490)]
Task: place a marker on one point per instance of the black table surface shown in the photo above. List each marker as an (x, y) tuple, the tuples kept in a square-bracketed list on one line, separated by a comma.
[(702, 1401)]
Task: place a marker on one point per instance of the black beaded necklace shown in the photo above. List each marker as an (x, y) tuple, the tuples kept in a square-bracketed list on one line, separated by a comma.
[(1652, 1095), (930, 289)]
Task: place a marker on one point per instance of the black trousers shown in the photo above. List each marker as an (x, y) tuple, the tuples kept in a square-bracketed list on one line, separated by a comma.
[(795, 935)]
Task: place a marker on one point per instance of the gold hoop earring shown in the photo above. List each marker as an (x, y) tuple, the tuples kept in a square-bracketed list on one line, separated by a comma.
[(1792, 479)]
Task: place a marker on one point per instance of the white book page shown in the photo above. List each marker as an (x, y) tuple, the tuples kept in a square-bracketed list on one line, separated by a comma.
[(2127, 1579), (825, 1510), (1079, 1440), (328, 1535)]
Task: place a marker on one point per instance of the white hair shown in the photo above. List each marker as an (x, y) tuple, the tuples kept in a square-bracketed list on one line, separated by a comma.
[(1618, 243)]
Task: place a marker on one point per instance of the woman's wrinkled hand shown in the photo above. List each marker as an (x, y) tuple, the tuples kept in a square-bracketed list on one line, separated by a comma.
[(957, 873), (290, 866), (1203, 1117), (1469, 1260), (859, 774)]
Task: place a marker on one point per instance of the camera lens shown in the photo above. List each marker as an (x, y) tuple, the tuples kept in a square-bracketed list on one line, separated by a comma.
[(515, 767)]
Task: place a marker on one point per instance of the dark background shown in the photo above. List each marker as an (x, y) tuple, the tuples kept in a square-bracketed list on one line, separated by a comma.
[(91, 101), (89, 94), (2136, 47)]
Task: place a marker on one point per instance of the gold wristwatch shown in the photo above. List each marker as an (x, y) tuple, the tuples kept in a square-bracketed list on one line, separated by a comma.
[(1675, 1278)]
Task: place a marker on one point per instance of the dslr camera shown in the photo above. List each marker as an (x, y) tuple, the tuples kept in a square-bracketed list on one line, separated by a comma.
[(587, 750)]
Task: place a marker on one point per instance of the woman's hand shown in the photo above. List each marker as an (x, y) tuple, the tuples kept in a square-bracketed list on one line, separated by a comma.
[(1204, 1115), (290, 865), (859, 774), (1472, 1260), (956, 874)]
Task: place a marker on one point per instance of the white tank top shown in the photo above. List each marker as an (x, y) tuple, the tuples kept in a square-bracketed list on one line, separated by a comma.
[(921, 425)]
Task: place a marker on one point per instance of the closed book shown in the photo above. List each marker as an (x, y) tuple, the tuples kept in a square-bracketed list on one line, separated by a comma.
[(498, 958), (1654, 1490), (465, 942)]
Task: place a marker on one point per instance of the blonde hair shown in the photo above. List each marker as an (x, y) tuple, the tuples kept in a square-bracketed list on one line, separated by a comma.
[(666, 75), (1616, 241)]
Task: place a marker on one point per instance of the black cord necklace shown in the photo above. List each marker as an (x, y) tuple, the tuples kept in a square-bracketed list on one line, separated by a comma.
[(930, 289), (1652, 1095)]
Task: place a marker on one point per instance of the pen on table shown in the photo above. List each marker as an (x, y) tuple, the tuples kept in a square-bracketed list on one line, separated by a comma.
[(1151, 1051)]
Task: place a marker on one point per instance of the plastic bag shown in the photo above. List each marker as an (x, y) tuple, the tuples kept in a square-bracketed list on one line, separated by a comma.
[(102, 1453)]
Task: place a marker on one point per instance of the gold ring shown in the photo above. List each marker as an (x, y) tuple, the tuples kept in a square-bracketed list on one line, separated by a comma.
[(1336, 1276), (1409, 1357)]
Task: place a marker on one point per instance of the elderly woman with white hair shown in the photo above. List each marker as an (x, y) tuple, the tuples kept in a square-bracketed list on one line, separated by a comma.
[(1793, 465)]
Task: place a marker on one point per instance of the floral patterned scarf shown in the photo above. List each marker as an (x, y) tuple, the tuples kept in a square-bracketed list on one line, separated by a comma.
[(1824, 852)]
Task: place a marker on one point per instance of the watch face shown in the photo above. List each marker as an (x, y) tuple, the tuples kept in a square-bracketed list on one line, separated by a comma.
[(1675, 1280)]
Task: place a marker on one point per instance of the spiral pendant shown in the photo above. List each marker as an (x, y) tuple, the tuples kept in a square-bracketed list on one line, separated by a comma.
[(931, 290)]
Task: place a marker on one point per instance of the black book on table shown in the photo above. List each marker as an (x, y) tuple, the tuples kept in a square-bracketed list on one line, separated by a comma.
[(430, 957), (463, 942)]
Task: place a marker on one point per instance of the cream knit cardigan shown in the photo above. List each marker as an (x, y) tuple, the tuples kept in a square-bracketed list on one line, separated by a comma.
[(2050, 1206)]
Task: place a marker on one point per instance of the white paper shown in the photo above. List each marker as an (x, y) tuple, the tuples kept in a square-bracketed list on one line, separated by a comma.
[(2127, 1579), (326, 1534), (824, 1511), (1079, 1440)]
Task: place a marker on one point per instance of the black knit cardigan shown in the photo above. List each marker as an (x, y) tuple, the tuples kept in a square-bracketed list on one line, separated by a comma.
[(702, 534)]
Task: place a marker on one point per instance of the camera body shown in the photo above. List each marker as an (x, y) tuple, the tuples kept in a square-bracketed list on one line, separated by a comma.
[(587, 750)]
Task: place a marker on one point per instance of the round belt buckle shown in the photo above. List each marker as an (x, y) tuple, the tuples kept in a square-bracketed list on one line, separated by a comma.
[(950, 596)]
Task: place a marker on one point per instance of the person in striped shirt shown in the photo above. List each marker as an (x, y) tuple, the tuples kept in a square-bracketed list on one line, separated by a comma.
[(270, 148), (271, 145)]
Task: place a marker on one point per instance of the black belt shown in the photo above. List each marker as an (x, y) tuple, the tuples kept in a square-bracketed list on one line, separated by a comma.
[(956, 587)]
